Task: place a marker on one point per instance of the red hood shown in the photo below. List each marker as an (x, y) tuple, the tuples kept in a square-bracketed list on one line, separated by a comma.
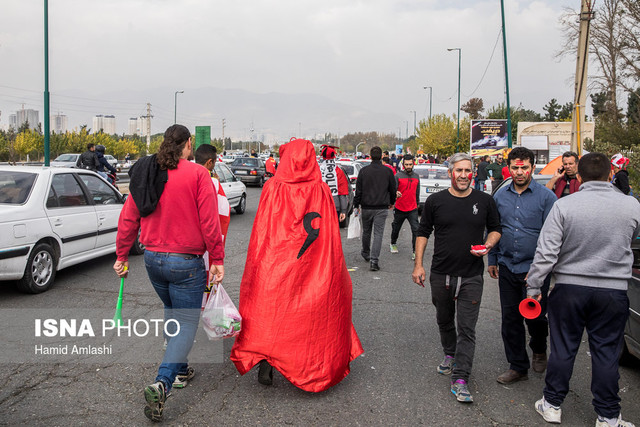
[(298, 163)]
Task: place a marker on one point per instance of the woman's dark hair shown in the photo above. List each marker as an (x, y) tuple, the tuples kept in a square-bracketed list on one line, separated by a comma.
[(175, 137)]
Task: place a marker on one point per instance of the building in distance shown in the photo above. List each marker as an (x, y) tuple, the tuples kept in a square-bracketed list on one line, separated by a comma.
[(106, 124), (25, 115)]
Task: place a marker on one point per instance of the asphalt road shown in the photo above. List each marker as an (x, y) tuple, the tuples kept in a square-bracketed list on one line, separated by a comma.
[(393, 383)]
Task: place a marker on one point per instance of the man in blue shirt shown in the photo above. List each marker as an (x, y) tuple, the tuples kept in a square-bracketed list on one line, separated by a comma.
[(523, 206)]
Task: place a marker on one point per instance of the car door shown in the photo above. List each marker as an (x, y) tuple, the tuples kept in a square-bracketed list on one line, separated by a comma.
[(229, 185), (107, 204), (71, 215)]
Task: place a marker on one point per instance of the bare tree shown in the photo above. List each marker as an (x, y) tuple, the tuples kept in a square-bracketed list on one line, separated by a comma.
[(630, 23)]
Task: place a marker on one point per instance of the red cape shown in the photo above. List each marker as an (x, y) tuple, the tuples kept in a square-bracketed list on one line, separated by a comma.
[(295, 296)]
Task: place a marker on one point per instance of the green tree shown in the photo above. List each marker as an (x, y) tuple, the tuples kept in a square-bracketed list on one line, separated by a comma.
[(553, 109), (28, 142), (566, 112), (633, 107), (436, 135)]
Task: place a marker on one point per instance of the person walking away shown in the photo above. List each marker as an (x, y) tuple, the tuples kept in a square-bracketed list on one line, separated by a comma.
[(621, 176), (270, 166), (407, 201), (481, 176), (523, 206), (495, 171), (336, 179), (295, 295), (590, 287), (103, 164), (376, 194), (387, 162), (174, 207), (88, 160), (458, 218), (565, 180)]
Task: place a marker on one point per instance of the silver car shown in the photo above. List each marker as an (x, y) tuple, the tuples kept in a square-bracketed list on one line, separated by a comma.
[(67, 160), (433, 178)]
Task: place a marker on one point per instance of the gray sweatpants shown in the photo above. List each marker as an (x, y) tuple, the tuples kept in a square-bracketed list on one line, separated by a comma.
[(373, 219), (461, 344)]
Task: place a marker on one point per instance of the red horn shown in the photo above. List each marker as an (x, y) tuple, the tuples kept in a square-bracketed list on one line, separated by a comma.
[(530, 308)]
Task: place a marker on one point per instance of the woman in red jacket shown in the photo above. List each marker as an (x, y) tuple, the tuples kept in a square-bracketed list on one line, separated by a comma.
[(173, 204)]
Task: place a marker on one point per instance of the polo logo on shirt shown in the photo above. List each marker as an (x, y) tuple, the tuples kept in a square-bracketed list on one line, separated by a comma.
[(475, 209)]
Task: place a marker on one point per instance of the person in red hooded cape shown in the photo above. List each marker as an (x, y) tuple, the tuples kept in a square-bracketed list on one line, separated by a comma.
[(295, 295)]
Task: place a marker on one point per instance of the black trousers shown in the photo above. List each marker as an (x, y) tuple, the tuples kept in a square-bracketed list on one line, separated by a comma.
[(604, 313), (398, 220), (513, 289)]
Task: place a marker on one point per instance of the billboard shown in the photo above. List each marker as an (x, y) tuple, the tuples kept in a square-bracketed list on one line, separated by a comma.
[(488, 136), (203, 136)]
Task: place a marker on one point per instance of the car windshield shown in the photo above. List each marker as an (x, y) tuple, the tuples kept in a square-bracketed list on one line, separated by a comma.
[(66, 158), (348, 169), (245, 161), (432, 173), (15, 186)]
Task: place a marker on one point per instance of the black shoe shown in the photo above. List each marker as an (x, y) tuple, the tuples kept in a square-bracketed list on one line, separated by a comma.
[(265, 373), (374, 266), (366, 258)]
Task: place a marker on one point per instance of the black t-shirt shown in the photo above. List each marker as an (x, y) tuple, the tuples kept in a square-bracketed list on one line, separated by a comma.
[(458, 223)]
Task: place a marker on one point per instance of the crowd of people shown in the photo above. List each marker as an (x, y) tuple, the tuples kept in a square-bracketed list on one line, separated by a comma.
[(297, 311)]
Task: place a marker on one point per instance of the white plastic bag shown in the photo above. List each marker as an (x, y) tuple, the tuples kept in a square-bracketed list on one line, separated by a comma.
[(220, 318), (354, 230)]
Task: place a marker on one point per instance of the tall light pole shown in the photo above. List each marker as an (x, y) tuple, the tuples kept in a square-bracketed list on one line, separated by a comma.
[(459, 69), (414, 121), (506, 76), (430, 99), (175, 106), (46, 83)]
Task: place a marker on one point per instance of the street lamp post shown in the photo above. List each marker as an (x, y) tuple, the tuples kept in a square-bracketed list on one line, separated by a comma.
[(175, 106), (414, 121), (430, 99), (358, 145), (46, 85), (459, 70)]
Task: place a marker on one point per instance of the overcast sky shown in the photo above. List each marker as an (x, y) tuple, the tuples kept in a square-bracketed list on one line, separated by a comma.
[(375, 54)]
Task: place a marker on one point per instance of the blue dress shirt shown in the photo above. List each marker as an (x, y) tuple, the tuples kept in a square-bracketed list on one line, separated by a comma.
[(521, 217)]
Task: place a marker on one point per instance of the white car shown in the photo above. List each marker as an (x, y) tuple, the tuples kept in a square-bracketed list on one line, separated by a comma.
[(53, 218), (67, 160), (433, 178), (352, 169), (235, 189)]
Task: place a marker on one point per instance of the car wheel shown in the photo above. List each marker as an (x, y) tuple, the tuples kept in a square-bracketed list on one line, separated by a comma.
[(40, 270), (137, 248), (242, 205)]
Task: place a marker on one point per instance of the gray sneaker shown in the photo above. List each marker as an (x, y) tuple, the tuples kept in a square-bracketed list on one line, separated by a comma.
[(461, 391), (155, 396), (393, 248), (551, 414), (447, 365), (183, 378), (602, 422)]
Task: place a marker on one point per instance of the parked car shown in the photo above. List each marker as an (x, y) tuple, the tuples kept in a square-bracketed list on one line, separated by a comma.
[(363, 162), (249, 170), (632, 329), (540, 179), (235, 190), (67, 160), (228, 159), (53, 218), (432, 179), (352, 169)]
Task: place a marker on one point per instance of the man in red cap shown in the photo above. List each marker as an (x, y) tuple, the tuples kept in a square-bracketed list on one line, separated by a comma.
[(295, 296)]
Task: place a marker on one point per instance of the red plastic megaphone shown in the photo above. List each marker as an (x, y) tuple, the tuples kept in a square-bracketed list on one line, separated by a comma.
[(530, 308)]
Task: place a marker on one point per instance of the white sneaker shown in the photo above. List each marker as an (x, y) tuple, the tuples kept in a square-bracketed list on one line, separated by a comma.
[(551, 414), (393, 248), (602, 422)]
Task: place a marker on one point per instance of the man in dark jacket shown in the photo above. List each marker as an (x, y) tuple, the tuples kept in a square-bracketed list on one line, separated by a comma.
[(481, 174), (376, 193), (88, 159), (103, 163), (408, 198), (494, 170)]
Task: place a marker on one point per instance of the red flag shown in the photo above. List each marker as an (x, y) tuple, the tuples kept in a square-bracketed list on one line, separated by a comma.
[(295, 296)]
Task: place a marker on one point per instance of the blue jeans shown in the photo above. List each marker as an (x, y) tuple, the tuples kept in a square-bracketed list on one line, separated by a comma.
[(179, 281)]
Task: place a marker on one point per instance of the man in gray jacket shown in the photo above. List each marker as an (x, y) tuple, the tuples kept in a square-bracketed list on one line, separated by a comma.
[(586, 243)]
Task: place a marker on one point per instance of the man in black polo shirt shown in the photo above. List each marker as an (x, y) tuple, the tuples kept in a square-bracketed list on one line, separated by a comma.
[(458, 217)]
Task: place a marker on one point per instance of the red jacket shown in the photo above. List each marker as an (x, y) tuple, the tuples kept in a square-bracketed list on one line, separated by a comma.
[(343, 183), (409, 187), (185, 220), (558, 188)]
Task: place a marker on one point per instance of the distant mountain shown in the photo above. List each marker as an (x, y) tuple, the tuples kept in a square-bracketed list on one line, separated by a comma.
[(276, 117)]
